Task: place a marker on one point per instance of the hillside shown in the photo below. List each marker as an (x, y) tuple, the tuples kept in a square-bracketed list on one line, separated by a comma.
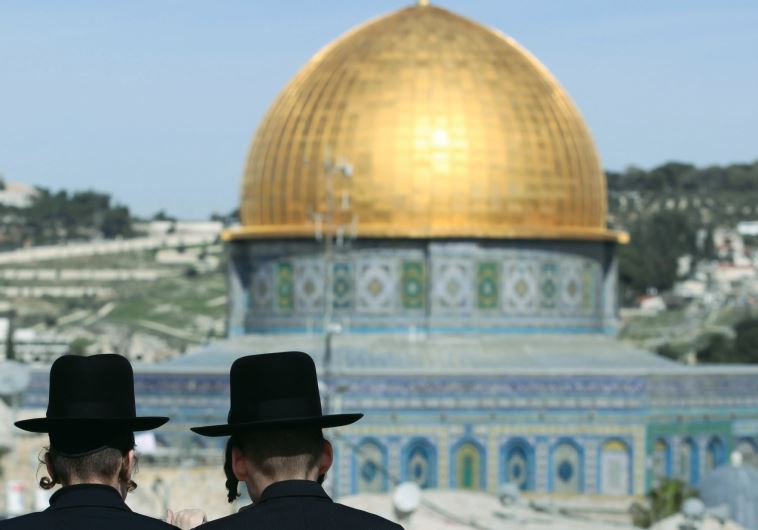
[(147, 305), (671, 211)]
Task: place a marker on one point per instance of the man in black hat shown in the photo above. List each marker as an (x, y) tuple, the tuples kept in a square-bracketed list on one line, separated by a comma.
[(277, 449), (91, 419)]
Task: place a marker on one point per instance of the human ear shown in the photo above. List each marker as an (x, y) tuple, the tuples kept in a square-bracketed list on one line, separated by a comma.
[(326, 459), (49, 466), (129, 463), (239, 464)]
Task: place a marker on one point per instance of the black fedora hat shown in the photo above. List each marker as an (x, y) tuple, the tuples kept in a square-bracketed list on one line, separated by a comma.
[(275, 391), (91, 393)]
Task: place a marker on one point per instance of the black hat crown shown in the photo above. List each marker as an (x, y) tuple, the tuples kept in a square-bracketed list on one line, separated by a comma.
[(95, 391), (275, 390)]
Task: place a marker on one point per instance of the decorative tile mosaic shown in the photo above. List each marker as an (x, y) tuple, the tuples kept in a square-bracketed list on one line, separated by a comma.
[(549, 284), (615, 464), (517, 468), (284, 288), (419, 466), (413, 284), (370, 464), (532, 288), (262, 287), (589, 294), (309, 286), (571, 286), (520, 291), (487, 285), (375, 286), (452, 284), (567, 469), (469, 469), (342, 285)]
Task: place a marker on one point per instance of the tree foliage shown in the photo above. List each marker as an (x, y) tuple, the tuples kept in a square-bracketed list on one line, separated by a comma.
[(56, 217), (715, 347), (721, 348), (664, 209), (649, 261), (746, 341), (682, 177), (663, 501)]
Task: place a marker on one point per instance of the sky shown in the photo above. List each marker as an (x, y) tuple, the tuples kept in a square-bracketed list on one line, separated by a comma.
[(156, 101)]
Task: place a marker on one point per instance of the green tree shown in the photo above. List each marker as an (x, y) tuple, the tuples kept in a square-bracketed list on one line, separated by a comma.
[(54, 217), (746, 341), (117, 222), (715, 347), (649, 261), (161, 215), (79, 346), (663, 501), (670, 351)]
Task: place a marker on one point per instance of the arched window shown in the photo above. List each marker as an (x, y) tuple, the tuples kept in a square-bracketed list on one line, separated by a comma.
[(715, 454), (566, 468), (469, 472), (615, 468), (420, 463), (688, 461), (370, 467), (661, 459), (518, 464)]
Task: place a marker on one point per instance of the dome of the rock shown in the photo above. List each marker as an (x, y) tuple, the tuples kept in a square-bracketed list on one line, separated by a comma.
[(451, 130)]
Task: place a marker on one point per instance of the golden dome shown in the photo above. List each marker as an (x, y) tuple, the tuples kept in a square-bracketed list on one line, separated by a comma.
[(451, 129)]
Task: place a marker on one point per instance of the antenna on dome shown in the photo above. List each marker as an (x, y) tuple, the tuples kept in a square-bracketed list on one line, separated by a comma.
[(330, 227)]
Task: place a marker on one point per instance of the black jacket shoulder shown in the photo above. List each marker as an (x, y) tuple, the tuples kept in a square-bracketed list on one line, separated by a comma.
[(338, 517), (85, 507), (365, 519), (85, 519), (299, 505)]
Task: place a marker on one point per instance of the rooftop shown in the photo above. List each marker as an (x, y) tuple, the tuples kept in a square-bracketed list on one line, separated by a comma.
[(441, 354), (463, 510)]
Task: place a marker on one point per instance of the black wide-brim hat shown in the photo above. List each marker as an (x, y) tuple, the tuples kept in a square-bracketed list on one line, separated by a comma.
[(91, 394), (275, 391)]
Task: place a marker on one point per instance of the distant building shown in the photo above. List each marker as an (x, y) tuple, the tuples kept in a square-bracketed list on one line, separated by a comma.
[(748, 228), (31, 347), (16, 194), (163, 228), (652, 305), (691, 289), (730, 247), (726, 276), (734, 488)]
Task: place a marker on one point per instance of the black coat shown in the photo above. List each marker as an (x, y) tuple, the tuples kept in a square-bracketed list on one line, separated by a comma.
[(85, 507), (299, 505)]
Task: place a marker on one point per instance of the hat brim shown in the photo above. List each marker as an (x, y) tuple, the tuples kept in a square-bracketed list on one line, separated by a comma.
[(323, 422), (45, 425)]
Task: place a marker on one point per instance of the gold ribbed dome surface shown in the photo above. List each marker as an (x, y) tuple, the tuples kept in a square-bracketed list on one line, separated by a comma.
[(451, 129)]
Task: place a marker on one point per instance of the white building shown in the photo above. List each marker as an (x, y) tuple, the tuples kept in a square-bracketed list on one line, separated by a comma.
[(16, 194)]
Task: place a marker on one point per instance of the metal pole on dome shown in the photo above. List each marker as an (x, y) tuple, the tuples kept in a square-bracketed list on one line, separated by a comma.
[(332, 229)]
